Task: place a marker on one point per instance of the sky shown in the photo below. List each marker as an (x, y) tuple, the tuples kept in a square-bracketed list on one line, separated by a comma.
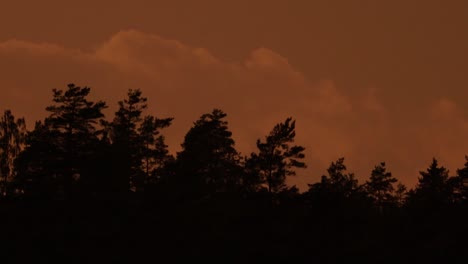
[(370, 81)]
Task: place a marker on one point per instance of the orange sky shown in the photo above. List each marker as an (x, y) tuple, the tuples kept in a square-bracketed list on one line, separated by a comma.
[(368, 80)]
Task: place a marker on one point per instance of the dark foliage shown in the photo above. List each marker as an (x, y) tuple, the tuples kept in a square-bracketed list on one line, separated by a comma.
[(208, 162), (78, 188), (276, 158)]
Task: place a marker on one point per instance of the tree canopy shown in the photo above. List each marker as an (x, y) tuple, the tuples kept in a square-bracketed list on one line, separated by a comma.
[(277, 158)]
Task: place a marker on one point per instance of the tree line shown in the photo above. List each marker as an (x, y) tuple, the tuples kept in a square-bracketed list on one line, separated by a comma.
[(74, 153), (87, 188)]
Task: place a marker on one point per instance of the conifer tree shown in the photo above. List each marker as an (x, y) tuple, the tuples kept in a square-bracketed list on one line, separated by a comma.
[(277, 157), (208, 161)]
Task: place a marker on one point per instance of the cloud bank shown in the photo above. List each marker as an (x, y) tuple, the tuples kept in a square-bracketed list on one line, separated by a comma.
[(184, 82)]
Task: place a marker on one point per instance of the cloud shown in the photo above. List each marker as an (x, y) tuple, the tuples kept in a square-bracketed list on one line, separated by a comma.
[(184, 82), (18, 46), (151, 54)]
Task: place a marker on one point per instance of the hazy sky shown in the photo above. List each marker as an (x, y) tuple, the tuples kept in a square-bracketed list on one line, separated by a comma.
[(368, 80)]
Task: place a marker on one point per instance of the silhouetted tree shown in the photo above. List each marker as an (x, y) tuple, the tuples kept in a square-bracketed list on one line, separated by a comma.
[(12, 136), (69, 152), (154, 153), (40, 165), (277, 159), (66, 139), (127, 143), (401, 194), (339, 180), (139, 148), (76, 120), (208, 161), (380, 186), (336, 189), (433, 188), (462, 182)]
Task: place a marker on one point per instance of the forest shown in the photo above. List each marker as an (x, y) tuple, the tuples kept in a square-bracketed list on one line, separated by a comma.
[(81, 187)]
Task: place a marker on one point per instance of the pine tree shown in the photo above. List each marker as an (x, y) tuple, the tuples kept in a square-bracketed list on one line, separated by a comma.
[(338, 191), (433, 188), (126, 141), (277, 158), (155, 154), (462, 181), (380, 186), (74, 124), (339, 181), (208, 161), (139, 148), (40, 164)]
